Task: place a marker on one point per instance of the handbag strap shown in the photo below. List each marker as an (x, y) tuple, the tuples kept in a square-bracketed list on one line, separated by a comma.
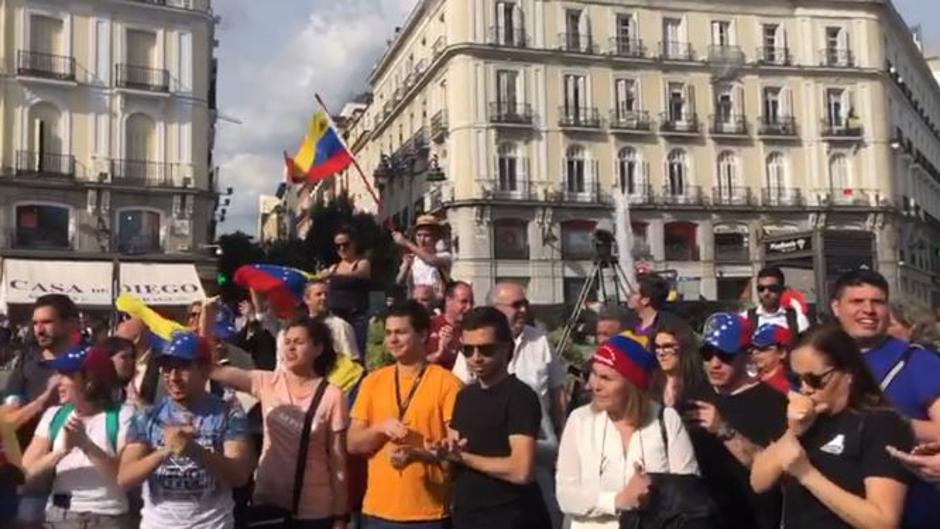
[(662, 432), (305, 444)]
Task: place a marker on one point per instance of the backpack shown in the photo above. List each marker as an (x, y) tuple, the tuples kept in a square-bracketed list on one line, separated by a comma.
[(111, 420), (792, 322)]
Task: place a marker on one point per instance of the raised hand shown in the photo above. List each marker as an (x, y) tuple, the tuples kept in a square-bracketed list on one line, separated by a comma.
[(706, 415), (74, 434), (802, 412)]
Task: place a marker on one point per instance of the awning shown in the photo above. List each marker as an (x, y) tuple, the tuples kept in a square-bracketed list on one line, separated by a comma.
[(88, 283), (162, 283)]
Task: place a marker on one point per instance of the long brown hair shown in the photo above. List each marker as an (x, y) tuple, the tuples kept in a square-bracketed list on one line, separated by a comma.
[(691, 370), (843, 354)]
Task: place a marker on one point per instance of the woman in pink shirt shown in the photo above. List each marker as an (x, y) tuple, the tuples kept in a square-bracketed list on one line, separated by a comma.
[(285, 395)]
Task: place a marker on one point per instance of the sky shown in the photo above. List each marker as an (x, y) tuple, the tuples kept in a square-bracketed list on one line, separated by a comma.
[(274, 55)]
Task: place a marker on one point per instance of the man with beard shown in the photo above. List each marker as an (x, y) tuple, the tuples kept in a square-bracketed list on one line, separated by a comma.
[(731, 421), (770, 287), (190, 449)]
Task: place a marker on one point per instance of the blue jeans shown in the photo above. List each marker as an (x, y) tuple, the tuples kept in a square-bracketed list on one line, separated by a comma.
[(360, 325), (371, 522)]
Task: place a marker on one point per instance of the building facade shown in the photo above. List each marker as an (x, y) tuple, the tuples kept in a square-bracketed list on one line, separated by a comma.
[(107, 123), (730, 125)]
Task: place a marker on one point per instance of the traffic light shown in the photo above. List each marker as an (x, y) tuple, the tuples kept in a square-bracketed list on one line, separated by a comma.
[(221, 279)]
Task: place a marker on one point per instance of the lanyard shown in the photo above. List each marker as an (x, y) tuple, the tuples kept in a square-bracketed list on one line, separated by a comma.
[(403, 406)]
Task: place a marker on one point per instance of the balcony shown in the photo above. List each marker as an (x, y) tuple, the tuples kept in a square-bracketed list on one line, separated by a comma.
[(641, 195), (770, 56), (781, 197), (510, 113), (849, 197), (836, 58), (579, 117), (682, 195), (584, 191), (728, 125), (676, 51), (842, 129), (679, 124), (732, 253), (30, 163), (630, 121), (777, 127), (142, 78), (149, 174), (518, 188), (189, 5), (726, 54), (45, 65), (439, 126), (681, 252), (733, 196), (575, 42), (139, 244), (625, 47), (508, 37)]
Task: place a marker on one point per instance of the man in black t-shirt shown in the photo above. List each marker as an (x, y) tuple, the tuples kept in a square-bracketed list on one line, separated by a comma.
[(495, 425), (732, 421)]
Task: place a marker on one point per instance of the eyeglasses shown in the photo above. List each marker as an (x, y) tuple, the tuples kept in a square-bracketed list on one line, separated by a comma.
[(341, 245), (488, 350), (666, 348), (519, 304), (771, 288), (708, 352), (814, 381)]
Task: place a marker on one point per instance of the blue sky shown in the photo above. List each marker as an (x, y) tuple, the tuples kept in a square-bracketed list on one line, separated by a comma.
[(275, 54)]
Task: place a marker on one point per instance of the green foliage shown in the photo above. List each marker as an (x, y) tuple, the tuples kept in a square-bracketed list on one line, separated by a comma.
[(376, 355)]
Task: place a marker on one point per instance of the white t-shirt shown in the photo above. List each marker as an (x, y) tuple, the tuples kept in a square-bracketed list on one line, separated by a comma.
[(425, 274), (76, 474)]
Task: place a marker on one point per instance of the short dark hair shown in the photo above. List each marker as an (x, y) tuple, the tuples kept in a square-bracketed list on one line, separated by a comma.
[(857, 278), (488, 318), (319, 334), (452, 287), (415, 312), (614, 313), (63, 305), (655, 288), (347, 230), (115, 344), (774, 272)]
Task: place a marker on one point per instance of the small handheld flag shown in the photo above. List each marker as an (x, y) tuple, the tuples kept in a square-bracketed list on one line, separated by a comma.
[(321, 155)]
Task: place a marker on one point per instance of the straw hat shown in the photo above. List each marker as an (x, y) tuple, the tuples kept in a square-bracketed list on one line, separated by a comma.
[(428, 221)]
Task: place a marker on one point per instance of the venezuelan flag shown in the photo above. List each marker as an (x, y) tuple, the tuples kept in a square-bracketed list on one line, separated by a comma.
[(283, 286), (321, 155)]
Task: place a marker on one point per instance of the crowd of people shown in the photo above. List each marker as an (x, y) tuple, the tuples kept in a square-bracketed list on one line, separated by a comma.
[(251, 417)]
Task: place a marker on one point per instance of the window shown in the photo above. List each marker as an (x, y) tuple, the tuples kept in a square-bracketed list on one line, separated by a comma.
[(772, 102), (680, 241), (575, 96), (42, 226), (776, 174), (509, 24), (511, 239), (632, 178), (770, 39), (577, 239), (833, 39), (141, 48), (837, 47), (678, 96), (727, 175), (724, 104), (507, 169), (627, 41), (676, 173), (140, 150), (838, 107), (45, 133), (721, 33), (575, 177), (572, 287), (139, 231), (45, 34), (506, 99), (672, 37), (626, 93), (839, 174), (576, 30)]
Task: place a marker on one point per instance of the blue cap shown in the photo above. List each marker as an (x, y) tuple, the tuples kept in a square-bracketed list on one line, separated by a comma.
[(71, 361), (183, 346), (728, 333), (770, 334), (224, 326), (93, 361)]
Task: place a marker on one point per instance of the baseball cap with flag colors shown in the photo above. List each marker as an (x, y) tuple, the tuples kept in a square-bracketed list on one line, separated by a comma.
[(186, 346), (771, 334), (728, 333), (630, 356), (93, 361)]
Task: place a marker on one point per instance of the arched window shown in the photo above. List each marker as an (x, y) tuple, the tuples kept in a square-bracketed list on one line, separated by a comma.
[(776, 173), (43, 226), (44, 152), (676, 170), (140, 151), (632, 177), (507, 168), (575, 167), (139, 231), (727, 175), (839, 173)]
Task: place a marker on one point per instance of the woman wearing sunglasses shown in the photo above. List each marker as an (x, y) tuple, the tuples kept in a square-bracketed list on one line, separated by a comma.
[(350, 283), (834, 453), (680, 370)]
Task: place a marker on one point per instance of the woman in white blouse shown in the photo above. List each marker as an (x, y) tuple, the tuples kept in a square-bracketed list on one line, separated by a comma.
[(610, 445)]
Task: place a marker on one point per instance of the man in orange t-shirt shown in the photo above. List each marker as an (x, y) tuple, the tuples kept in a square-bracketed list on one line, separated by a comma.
[(399, 419)]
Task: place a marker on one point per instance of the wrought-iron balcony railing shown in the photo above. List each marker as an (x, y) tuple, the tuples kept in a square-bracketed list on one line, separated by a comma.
[(142, 78), (508, 36), (781, 197), (836, 57), (731, 196), (777, 126), (849, 128), (676, 51), (509, 187), (586, 191), (579, 117), (45, 164), (682, 195), (678, 123), (641, 195), (728, 125), (630, 120), (726, 54), (848, 197), (147, 173), (574, 41), (510, 113), (774, 56), (46, 65), (439, 125), (627, 47)]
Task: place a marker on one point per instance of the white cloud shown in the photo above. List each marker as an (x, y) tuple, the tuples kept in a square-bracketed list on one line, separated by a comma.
[(272, 94)]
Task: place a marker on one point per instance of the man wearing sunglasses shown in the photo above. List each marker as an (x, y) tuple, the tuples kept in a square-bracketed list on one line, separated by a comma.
[(732, 421), (189, 450), (770, 287), (493, 434)]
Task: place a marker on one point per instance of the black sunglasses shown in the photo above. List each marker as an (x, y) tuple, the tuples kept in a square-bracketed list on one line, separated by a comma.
[(488, 350), (708, 352), (521, 304), (772, 288), (814, 381), (342, 245)]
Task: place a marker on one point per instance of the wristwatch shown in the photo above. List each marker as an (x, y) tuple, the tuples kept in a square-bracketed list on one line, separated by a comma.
[(725, 432)]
